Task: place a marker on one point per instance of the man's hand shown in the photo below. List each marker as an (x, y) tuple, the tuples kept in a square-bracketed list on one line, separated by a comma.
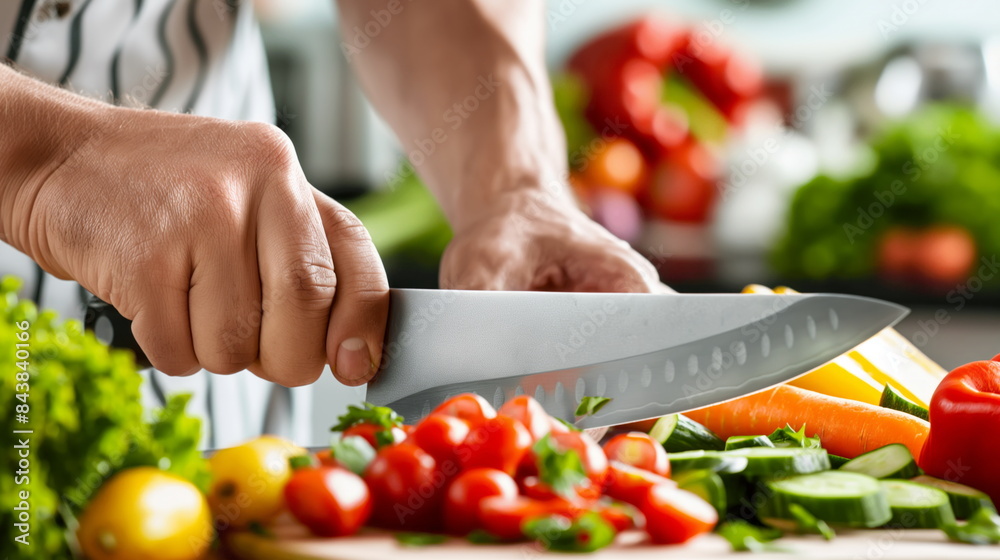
[(540, 244), (206, 234)]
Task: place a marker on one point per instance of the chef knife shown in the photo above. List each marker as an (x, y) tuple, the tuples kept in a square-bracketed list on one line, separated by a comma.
[(651, 354)]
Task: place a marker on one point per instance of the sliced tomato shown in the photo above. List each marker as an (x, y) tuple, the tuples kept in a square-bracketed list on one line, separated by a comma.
[(532, 487), (674, 516), (621, 516), (630, 484), (330, 501), (497, 443), (639, 450), (504, 517), (461, 504), (529, 412), (440, 435), (406, 487), (376, 435), (595, 462), (469, 407)]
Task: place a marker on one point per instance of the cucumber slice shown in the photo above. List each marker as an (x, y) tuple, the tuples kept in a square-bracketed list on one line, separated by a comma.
[(706, 484), (916, 506), (890, 461), (837, 497), (964, 500), (715, 461), (679, 433), (892, 399), (781, 461), (836, 461), (739, 442)]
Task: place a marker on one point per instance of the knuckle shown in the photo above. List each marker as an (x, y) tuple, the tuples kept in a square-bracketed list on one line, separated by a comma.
[(309, 281), (347, 226), (273, 145), (302, 376)]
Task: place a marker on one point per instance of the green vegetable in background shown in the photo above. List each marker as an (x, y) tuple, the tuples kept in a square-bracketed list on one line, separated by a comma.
[(938, 166), (81, 401)]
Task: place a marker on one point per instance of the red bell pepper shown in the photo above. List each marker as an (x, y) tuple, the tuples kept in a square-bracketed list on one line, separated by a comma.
[(964, 441), (624, 71)]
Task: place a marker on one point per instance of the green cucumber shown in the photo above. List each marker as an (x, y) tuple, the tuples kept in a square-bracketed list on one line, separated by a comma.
[(892, 399), (739, 442), (964, 500), (890, 461), (774, 462), (836, 461), (706, 484), (679, 433), (837, 497), (916, 506), (715, 461)]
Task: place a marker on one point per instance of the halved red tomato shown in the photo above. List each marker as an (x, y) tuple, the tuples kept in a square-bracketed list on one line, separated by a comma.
[(639, 450), (469, 407), (674, 516), (461, 503)]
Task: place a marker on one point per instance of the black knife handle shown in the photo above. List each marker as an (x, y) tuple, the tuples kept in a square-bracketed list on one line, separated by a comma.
[(113, 329)]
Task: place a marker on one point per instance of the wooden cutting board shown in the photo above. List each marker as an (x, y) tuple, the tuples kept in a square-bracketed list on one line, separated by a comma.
[(291, 542)]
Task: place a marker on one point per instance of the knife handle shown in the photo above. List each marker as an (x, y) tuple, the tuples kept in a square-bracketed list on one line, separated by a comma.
[(111, 328)]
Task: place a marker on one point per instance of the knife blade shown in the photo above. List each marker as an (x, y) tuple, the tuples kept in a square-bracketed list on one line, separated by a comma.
[(651, 354)]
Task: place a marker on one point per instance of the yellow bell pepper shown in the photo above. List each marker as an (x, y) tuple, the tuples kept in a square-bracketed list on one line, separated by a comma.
[(861, 374)]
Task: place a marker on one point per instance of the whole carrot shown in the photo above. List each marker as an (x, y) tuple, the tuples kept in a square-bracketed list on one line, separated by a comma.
[(844, 427)]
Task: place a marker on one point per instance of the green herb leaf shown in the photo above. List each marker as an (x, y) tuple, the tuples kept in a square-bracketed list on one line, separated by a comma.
[(419, 539), (587, 533), (744, 537), (807, 523), (482, 536), (788, 437), (982, 528), (569, 426), (301, 462), (562, 471), (370, 414), (352, 452), (590, 405)]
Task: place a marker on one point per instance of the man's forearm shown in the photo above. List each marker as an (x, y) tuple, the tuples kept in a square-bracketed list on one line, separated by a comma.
[(463, 84), (40, 126)]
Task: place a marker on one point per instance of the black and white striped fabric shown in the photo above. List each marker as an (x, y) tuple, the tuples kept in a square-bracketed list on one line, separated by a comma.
[(197, 56), (194, 56)]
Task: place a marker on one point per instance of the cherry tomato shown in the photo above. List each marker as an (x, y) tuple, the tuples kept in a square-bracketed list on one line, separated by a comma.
[(595, 462), (498, 443), (325, 458), (504, 517), (630, 484), (440, 435), (529, 412), (371, 433), (469, 407), (639, 450), (461, 502), (406, 488), (621, 516), (532, 487), (945, 255), (674, 516), (330, 501)]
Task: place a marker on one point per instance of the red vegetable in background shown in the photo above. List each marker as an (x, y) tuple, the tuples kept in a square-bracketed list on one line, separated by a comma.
[(964, 443), (469, 407)]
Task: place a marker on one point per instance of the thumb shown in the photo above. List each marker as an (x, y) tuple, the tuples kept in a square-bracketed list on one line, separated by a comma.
[(361, 303)]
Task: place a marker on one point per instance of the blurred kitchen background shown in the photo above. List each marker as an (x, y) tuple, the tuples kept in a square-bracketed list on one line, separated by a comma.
[(829, 146)]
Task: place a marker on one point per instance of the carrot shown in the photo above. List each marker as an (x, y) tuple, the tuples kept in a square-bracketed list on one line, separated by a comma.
[(844, 427)]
